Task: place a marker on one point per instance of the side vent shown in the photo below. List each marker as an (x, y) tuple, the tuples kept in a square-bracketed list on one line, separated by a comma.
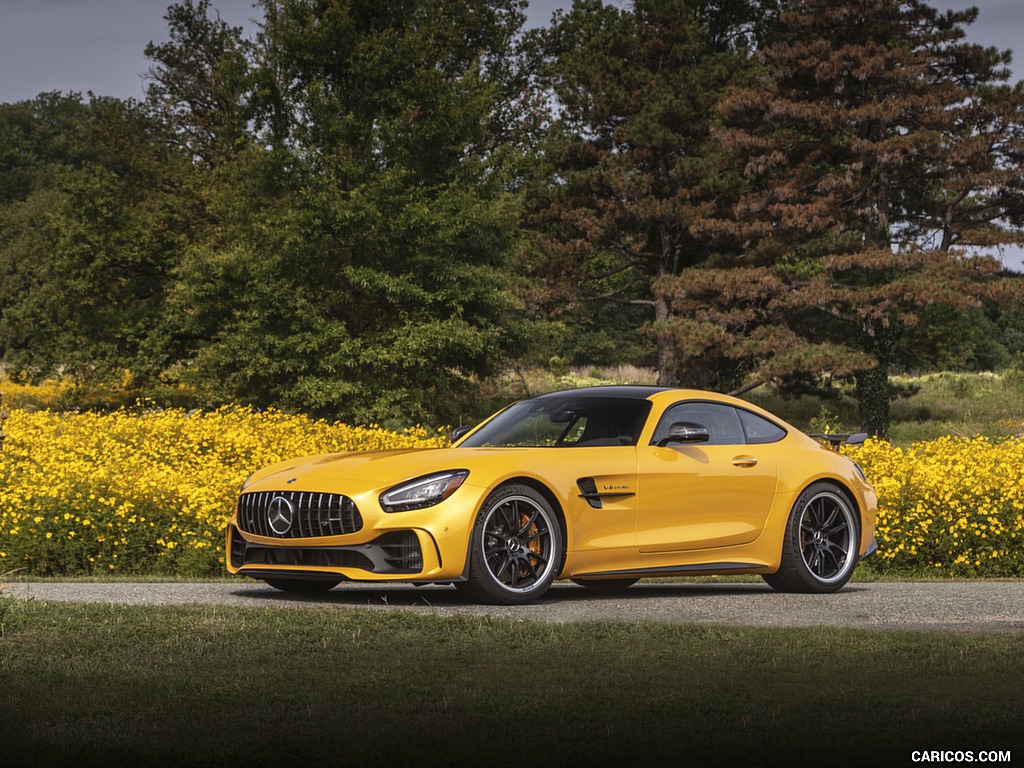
[(588, 491), (595, 498)]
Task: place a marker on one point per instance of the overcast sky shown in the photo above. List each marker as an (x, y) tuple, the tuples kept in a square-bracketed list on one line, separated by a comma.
[(97, 45)]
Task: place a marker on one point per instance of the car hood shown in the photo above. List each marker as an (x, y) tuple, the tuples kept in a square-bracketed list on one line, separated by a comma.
[(368, 470)]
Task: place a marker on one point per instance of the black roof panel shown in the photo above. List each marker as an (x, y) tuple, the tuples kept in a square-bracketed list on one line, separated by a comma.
[(626, 391)]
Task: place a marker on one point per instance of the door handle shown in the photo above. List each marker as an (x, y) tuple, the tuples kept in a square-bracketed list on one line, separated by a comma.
[(744, 461)]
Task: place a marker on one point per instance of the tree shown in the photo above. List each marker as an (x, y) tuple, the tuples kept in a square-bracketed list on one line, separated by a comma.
[(37, 138), (877, 143), (87, 254), (200, 83), (360, 267), (634, 170), (729, 320)]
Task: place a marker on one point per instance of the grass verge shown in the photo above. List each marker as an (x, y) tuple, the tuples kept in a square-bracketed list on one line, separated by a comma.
[(103, 685)]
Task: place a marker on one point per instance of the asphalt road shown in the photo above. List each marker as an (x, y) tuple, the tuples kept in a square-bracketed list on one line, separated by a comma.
[(972, 606)]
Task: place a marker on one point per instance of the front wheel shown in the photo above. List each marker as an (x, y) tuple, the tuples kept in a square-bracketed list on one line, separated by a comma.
[(821, 544), (516, 548)]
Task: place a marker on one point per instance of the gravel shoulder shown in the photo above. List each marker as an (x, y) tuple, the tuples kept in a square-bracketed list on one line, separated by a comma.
[(968, 606)]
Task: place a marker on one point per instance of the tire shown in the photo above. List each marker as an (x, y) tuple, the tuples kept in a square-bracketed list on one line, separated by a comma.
[(303, 586), (516, 548), (610, 585), (821, 544), (777, 582)]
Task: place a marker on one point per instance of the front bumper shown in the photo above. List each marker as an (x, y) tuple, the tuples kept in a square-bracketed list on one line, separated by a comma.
[(871, 549), (419, 545), (397, 552)]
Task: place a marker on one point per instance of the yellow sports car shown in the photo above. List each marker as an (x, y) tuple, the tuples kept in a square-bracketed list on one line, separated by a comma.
[(603, 485)]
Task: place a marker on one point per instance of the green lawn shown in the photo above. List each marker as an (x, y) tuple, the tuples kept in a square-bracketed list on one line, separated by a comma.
[(100, 685)]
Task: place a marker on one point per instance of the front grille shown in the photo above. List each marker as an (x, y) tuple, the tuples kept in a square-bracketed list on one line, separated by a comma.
[(312, 514)]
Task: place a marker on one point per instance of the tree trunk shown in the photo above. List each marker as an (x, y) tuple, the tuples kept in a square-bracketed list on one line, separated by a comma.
[(667, 373), (873, 400), (872, 385)]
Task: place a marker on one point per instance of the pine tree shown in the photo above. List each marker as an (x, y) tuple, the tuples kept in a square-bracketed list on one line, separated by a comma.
[(635, 173), (879, 145)]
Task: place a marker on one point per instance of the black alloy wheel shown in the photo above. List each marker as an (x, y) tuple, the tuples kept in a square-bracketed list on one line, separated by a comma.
[(821, 544), (516, 548)]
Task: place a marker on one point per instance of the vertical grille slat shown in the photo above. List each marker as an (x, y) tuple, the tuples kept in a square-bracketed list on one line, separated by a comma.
[(347, 513), (314, 514), (249, 518), (261, 520)]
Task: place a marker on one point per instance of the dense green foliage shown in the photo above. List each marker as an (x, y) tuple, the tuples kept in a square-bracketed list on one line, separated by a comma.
[(92, 228), (371, 207)]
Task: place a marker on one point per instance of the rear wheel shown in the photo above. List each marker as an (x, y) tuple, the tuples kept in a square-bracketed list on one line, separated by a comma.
[(821, 543), (303, 586), (516, 548)]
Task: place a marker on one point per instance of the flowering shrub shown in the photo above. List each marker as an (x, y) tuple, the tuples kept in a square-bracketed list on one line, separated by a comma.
[(952, 506), (151, 492), (146, 492), (64, 394)]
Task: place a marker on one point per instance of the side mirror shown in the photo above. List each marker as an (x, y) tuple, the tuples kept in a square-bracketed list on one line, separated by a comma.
[(459, 432), (685, 432), (562, 417)]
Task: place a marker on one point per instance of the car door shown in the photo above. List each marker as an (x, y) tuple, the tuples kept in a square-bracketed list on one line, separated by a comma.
[(709, 494)]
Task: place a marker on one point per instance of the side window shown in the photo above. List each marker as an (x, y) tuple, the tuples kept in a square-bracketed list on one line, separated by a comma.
[(759, 430), (722, 422)]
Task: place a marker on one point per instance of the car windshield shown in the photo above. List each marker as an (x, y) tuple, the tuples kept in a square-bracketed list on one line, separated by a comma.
[(552, 422)]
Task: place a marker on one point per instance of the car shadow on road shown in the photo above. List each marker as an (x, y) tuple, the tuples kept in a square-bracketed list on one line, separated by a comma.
[(437, 596)]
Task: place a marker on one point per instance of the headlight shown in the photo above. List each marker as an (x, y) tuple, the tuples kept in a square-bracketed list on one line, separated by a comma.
[(423, 491)]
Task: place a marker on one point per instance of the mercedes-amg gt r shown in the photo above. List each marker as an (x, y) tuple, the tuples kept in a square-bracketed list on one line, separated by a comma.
[(603, 486)]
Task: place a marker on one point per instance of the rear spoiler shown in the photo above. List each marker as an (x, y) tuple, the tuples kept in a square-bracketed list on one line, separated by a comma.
[(835, 441)]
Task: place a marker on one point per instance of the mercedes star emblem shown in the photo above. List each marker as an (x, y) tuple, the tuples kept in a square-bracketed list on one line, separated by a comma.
[(280, 514)]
